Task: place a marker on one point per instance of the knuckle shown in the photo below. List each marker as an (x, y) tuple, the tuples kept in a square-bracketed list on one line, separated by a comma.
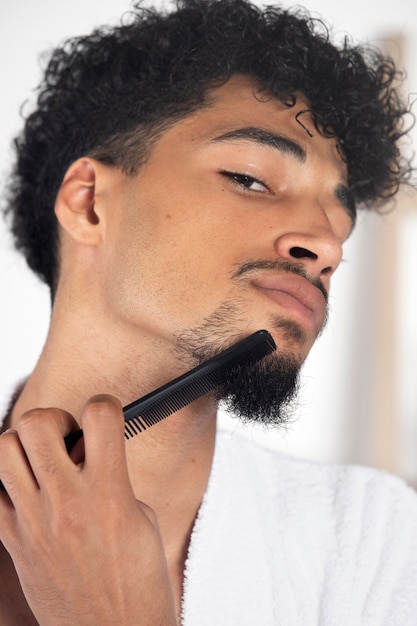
[(9, 440), (103, 404), (29, 418), (40, 420), (105, 400)]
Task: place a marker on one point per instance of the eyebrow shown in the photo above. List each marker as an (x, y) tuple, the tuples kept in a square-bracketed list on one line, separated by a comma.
[(268, 139), (346, 198), (287, 146)]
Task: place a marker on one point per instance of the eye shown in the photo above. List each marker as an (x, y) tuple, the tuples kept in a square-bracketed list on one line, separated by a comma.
[(245, 181)]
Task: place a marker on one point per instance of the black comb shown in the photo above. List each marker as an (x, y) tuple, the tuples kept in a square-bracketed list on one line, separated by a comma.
[(184, 389), (175, 395)]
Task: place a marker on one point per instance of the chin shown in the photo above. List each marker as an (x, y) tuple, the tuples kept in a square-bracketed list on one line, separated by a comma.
[(263, 392)]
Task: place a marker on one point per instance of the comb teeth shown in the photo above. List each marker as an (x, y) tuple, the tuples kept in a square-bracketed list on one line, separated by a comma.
[(134, 427), (181, 391)]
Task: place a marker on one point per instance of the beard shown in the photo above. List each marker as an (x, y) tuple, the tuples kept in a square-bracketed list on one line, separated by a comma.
[(263, 392)]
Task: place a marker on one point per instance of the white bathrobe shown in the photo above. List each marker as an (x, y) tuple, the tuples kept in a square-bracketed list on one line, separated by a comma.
[(283, 542)]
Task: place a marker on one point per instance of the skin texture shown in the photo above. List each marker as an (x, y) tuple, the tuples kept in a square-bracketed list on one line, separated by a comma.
[(193, 246)]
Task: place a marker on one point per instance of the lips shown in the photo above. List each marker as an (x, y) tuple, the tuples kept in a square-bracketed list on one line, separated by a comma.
[(296, 296)]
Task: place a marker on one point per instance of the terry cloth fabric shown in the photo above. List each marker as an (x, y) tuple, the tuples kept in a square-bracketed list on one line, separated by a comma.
[(284, 542)]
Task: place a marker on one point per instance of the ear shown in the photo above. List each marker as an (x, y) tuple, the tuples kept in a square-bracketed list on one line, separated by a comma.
[(76, 204)]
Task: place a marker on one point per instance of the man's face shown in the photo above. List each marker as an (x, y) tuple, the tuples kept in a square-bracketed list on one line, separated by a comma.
[(235, 223)]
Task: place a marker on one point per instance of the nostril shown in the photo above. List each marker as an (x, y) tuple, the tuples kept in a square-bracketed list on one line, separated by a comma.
[(327, 271), (302, 253)]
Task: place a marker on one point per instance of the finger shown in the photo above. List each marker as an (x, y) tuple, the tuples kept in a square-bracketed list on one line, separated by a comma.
[(15, 472), (41, 432), (103, 425)]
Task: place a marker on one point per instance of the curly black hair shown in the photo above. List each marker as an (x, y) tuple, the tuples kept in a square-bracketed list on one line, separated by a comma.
[(110, 94)]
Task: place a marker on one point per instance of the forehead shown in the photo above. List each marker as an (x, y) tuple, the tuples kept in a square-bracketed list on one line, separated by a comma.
[(242, 96), (242, 103)]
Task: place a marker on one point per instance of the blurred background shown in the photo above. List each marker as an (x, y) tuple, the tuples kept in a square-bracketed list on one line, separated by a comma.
[(358, 401)]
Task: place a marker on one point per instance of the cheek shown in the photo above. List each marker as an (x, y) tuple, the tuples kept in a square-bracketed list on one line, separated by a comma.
[(167, 284)]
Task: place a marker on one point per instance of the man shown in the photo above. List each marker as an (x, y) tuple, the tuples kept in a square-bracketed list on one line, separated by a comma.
[(188, 179)]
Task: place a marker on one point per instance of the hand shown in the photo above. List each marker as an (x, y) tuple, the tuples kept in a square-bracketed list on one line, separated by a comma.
[(85, 550)]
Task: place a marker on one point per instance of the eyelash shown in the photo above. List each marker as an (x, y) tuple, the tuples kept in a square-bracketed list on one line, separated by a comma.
[(244, 181)]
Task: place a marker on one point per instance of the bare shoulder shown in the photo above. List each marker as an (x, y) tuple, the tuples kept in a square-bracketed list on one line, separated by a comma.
[(14, 610)]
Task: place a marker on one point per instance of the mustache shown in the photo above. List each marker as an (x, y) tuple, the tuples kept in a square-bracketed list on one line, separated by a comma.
[(281, 266)]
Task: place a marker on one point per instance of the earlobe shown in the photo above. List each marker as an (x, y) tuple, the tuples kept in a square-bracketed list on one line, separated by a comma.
[(75, 205)]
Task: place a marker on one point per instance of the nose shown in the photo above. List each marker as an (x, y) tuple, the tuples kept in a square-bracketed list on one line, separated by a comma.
[(315, 245)]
